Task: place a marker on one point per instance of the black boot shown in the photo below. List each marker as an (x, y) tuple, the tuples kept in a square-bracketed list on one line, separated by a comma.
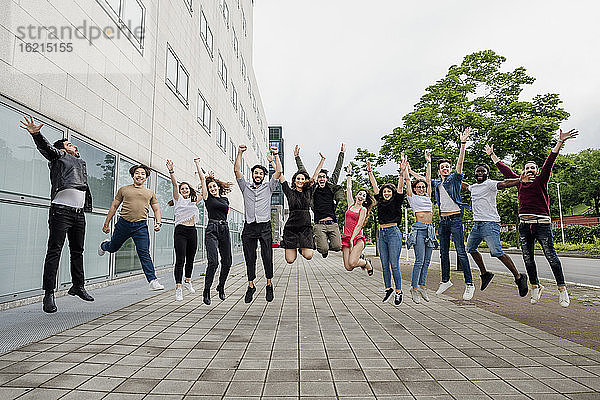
[(221, 291), (81, 292), (49, 304), (206, 297)]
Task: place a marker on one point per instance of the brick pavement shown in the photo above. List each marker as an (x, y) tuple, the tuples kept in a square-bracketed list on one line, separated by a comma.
[(327, 335)]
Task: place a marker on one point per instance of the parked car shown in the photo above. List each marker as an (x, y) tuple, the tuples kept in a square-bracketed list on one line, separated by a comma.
[(275, 243)]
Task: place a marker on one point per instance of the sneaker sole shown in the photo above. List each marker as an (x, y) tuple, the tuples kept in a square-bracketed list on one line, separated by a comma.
[(534, 301)]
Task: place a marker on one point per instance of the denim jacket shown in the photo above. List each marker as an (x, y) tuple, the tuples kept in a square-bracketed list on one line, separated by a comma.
[(452, 184), (430, 240)]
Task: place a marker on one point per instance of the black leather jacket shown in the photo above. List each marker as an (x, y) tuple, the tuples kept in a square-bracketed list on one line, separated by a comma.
[(66, 171)]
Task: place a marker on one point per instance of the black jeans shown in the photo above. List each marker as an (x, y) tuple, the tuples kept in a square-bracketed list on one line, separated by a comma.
[(64, 223), (217, 238), (543, 233), (186, 243), (251, 235)]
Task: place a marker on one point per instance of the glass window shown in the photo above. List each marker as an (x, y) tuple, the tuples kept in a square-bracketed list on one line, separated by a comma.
[(242, 116), (100, 167), (222, 70), (126, 259), (163, 246), (225, 10), (177, 77), (93, 266), (232, 151), (204, 112), (23, 170), (222, 137), (23, 238), (235, 44), (205, 33), (133, 18), (234, 98), (164, 194), (200, 248), (114, 5), (182, 82), (171, 67)]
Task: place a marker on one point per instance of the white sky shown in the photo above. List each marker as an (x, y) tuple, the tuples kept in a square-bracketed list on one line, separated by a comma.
[(332, 70)]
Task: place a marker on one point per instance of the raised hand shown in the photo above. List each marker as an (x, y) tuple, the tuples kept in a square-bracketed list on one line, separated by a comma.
[(296, 151), (465, 135), (242, 148), (273, 150), (30, 126), (349, 169), (368, 165), (489, 149), (322, 156), (568, 135), (427, 156), (525, 178), (211, 174), (170, 165), (343, 148), (269, 157), (197, 160)]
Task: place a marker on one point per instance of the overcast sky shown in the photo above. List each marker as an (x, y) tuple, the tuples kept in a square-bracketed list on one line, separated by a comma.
[(331, 70)]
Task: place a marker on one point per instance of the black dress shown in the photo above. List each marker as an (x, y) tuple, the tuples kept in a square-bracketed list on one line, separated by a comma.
[(298, 232)]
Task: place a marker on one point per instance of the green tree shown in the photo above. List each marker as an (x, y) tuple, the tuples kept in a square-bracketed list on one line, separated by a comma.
[(580, 172), (478, 94)]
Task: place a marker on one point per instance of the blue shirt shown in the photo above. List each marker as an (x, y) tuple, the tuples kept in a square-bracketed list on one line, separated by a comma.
[(452, 184)]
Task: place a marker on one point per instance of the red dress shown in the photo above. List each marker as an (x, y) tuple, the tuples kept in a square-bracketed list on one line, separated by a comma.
[(350, 221)]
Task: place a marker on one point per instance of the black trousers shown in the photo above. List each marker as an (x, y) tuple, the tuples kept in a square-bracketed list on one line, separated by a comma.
[(186, 244), (217, 241), (252, 234), (62, 224), (529, 233)]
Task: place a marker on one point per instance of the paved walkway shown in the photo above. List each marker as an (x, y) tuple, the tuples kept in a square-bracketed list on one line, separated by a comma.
[(327, 335)]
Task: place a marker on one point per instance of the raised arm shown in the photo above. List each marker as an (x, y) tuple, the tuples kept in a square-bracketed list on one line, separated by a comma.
[(428, 172), (563, 136), (400, 186), (372, 178), (278, 167), (503, 168), (349, 185), (414, 174), (45, 148), (237, 166), (170, 167), (463, 145), (409, 191), (298, 160), (203, 185), (319, 167), (335, 175), (489, 150), (508, 183)]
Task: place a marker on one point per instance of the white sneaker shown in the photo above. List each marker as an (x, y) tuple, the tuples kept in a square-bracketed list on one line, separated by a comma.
[(469, 292), (443, 287), (179, 294), (423, 293), (536, 293), (100, 250), (154, 285), (563, 298), (189, 287), (414, 294)]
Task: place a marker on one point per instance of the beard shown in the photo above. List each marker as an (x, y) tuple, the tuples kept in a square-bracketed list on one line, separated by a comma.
[(481, 178), (258, 180)]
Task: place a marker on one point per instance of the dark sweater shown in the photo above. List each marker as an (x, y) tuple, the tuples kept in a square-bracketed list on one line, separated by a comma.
[(217, 207), (390, 211), (533, 196)]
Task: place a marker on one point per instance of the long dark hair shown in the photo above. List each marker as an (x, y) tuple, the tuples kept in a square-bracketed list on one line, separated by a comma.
[(387, 186), (193, 195), (224, 187), (307, 184), (368, 203)]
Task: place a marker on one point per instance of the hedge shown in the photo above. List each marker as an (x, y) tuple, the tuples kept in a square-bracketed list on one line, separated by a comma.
[(574, 234)]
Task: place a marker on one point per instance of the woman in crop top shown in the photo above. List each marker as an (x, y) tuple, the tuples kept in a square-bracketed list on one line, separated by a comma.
[(216, 237), (353, 240), (297, 231), (422, 234), (185, 237), (389, 212)]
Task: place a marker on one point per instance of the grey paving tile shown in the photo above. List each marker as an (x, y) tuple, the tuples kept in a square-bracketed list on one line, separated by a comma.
[(496, 387), (282, 389), (315, 375), (354, 389), (102, 383), (530, 386), (425, 388), (283, 375), (244, 389), (172, 387), (81, 394), (348, 375), (317, 389), (461, 388), (413, 374), (66, 381), (44, 394), (383, 388), (30, 380), (137, 385)]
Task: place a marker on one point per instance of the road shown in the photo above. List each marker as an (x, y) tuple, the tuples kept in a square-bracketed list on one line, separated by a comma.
[(576, 270)]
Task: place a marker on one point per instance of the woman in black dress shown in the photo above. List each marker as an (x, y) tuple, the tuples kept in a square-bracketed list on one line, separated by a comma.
[(298, 232)]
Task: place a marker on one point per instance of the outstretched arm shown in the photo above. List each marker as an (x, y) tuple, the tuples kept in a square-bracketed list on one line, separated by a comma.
[(508, 183), (319, 167), (237, 166), (349, 184), (372, 178), (428, 173), (564, 136), (463, 145), (204, 190), (409, 191), (278, 167), (299, 163), (45, 148), (170, 167), (335, 175), (403, 164), (503, 168)]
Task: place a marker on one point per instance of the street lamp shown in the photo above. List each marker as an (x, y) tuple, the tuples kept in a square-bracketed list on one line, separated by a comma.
[(562, 228)]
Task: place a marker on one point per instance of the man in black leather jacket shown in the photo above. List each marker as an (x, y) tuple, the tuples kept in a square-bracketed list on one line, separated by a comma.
[(70, 197)]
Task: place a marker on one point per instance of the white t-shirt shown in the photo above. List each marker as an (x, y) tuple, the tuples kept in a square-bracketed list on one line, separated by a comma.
[(483, 196), (446, 202), (185, 210), (70, 197), (420, 203)]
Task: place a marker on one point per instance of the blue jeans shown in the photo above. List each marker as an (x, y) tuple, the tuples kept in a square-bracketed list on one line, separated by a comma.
[(488, 231), (529, 233), (138, 231), (422, 256), (453, 226), (390, 245)]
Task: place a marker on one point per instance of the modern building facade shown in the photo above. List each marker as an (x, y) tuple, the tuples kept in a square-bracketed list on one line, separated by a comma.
[(277, 199), (127, 81)]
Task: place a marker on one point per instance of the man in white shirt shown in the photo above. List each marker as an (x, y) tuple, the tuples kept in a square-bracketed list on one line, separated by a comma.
[(486, 225)]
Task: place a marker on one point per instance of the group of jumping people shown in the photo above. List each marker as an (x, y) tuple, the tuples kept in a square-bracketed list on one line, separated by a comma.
[(71, 197)]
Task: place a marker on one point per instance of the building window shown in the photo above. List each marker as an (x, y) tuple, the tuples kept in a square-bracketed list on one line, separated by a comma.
[(244, 26), (235, 44), (206, 33), (129, 16), (222, 70), (243, 70), (225, 11), (234, 98), (188, 3), (177, 78), (204, 112), (242, 117), (232, 151), (221, 137), (248, 130)]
